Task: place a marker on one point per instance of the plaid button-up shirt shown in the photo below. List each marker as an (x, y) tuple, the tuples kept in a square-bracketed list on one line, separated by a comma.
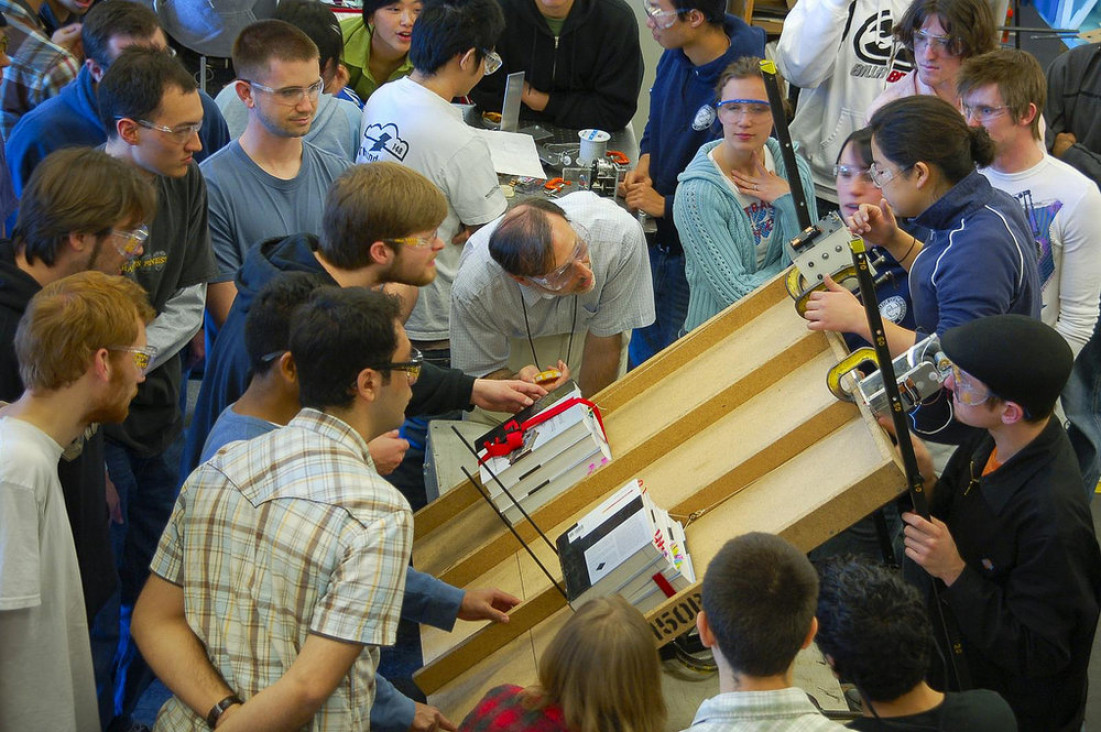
[(290, 533), (39, 67)]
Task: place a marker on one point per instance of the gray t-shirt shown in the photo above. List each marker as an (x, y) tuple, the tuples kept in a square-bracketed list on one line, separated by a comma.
[(247, 205), (335, 126), (233, 427)]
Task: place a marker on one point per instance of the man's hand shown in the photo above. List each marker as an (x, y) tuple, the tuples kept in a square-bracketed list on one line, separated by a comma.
[(931, 545), (529, 372), (387, 451), (643, 197), (495, 395), (429, 719), (533, 98), (836, 309), (640, 174), (921, 454), (488, 604), (1063, 142), (68, 37)]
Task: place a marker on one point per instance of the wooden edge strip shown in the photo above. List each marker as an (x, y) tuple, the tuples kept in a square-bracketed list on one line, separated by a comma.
[(444, 669)]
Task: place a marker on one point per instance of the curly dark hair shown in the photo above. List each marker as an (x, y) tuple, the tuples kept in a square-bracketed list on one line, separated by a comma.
[(874, 627)]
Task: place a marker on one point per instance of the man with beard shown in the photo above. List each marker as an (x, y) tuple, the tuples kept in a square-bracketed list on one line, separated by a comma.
[(81, 210), (82, 352), (269, 182), (543, 276)]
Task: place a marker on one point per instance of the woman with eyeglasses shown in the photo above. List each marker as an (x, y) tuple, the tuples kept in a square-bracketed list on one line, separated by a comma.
[(854, 185), (376, 44), (939, 35), (733, 206), (978, 256)]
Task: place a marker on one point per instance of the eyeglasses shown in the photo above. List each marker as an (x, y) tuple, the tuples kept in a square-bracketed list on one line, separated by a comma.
[(129, 243), (940, 44), (662, 18), (269, 357), (180, 134), (983, 113), (291, 95), (966, 391), (411, 367), (560, 278), (882, 177), (755, 109), (848, 172), (143, 356), (416, 242), (493, 61)]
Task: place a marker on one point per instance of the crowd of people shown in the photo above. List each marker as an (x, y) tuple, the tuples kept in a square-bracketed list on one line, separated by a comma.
[(326, 244)]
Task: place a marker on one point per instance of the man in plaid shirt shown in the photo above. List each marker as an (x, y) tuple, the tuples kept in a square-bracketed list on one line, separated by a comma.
[(282, 568), (40, 66)]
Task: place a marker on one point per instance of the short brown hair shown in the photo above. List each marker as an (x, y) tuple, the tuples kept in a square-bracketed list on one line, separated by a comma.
[(602, 670), (1019, 77), (968, 23), (376, 202), (746, 67), (78, 190), (68, 320), (759, 595), (268, 40)]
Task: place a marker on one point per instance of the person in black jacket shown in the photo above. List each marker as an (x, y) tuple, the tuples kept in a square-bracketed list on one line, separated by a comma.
[(581, 61), (77, 209), (1011, 535), (379, 227)]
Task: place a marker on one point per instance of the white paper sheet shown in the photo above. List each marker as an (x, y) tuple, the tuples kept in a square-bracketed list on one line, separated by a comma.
[(513, 153)]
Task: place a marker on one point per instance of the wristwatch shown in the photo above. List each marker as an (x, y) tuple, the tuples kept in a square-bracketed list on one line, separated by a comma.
[(218, 709)]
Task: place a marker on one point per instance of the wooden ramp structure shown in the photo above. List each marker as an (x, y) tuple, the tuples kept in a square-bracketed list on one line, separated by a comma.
[(731, 429)]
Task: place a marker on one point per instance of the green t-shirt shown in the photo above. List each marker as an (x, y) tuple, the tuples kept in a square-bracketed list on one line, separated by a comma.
[(357, 53)]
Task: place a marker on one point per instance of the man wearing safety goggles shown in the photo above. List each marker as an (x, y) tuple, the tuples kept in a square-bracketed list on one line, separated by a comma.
[(552, 288), (1011, 534)]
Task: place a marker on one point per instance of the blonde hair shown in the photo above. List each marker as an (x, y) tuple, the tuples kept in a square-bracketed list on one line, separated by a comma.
[(70, 319), (603, 670)]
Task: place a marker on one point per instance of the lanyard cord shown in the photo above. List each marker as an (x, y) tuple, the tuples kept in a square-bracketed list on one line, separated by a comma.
[(527, 327)]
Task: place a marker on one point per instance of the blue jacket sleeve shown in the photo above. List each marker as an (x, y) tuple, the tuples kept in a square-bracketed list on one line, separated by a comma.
[(430, 601), (392, 710)]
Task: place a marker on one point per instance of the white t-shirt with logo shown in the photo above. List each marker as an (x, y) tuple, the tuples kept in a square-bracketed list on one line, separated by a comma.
[(404, 122)]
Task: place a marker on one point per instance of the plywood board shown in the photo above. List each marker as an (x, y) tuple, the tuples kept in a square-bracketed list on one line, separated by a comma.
[(732, 425)]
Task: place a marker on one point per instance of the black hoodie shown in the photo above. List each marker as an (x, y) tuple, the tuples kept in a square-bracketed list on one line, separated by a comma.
[(82, 479), (592, 71), (227, 366)]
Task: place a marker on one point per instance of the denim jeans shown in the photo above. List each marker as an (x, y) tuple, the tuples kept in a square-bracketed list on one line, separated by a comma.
[(1081, 400), (147, 492), (670, 306)]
